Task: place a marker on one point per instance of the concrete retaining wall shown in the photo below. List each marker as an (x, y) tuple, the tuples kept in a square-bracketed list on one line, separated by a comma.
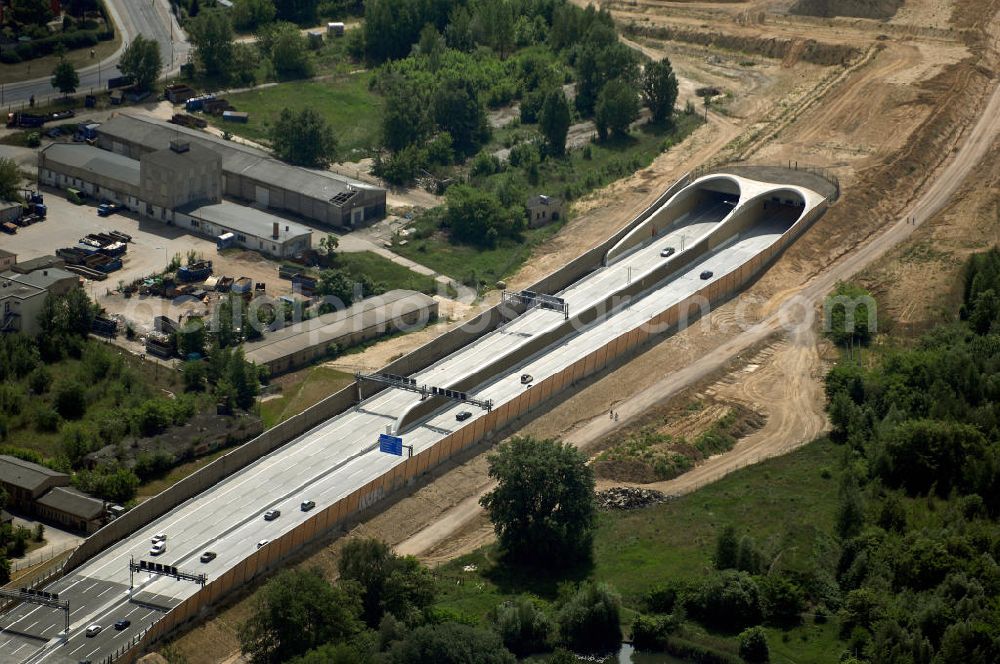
[(286, 431), (376, 491), (744, 219)]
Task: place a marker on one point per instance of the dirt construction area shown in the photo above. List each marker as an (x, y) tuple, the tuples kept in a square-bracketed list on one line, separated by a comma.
[(898, 100)]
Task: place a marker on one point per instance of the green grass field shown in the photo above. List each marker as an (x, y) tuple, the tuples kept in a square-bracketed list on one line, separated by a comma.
[(788, 503), (351, 109), (300, 390), (582, 171), (390, 275), (467, 264)]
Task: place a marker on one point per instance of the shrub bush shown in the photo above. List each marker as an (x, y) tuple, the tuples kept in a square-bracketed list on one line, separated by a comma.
[(523, 625), (727, 600), (753, 646), (590, 621)]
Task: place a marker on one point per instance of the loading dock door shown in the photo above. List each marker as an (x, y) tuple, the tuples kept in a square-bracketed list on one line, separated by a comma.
[(262, 195)]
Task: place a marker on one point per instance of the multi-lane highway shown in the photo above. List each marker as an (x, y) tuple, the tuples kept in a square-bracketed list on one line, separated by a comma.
[(337, 457), (150, 18)]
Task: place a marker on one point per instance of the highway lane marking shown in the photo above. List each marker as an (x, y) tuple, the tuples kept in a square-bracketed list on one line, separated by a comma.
[(19, 648), (93, 651), (31, 625), (105, 591)]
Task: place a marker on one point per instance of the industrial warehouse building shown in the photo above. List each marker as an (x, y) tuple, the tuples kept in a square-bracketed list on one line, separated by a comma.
[(72, 509), (299, 344), (25, 482), (179, 185), (253, 175)]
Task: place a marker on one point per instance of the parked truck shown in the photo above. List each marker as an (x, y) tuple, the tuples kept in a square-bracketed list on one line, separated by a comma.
[(25, 120)]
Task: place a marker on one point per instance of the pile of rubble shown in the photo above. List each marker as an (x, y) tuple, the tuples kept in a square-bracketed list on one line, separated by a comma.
[(628, 498)]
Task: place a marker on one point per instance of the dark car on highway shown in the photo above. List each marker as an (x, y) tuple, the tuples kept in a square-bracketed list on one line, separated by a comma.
[(122, 624), (463, 415), (667, 252), (271, 515), (707, 274), (208, 556)]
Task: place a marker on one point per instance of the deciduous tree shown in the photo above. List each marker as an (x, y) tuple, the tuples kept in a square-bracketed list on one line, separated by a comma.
[(64, 77), (590, 621), (141, 62), (303, 138), (10, 180), (543, 506), (554, 121), (617, 107), (294, 612), (392, 584), (212, 35), (251, 14), (659, 90)]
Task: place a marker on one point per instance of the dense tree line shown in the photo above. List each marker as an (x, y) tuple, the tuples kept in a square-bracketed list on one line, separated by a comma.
[(69, 396), (908, 573), (921, 493), (381, 611)]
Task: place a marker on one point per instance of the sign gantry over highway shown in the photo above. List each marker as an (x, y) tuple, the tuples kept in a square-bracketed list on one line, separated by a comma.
[(410, 385), (162, 570), (39, 597)]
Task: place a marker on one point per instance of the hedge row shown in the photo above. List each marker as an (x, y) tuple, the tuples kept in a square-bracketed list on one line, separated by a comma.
[(41, 47)]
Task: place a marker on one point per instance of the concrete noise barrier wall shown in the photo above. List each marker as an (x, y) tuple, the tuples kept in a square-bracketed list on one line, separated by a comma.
[(284, 432), (377, 491)]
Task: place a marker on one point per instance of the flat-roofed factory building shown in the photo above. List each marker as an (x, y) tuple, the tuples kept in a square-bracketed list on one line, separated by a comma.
[(253, 175)]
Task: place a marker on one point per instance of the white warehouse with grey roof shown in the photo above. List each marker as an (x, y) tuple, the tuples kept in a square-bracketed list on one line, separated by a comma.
[(180, 185), (252, 175)]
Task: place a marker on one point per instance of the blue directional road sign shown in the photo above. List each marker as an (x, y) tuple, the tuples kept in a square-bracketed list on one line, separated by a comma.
[(390, 444)]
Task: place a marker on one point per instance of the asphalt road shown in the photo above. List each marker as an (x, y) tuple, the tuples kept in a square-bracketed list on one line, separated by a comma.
[(333, 459), (149, 18)]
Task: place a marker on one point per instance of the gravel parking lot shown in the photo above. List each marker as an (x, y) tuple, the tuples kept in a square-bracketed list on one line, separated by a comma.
[(152, 246)]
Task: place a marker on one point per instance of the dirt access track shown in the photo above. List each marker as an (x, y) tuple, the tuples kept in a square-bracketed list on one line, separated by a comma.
[(907, 124), (894, 123)]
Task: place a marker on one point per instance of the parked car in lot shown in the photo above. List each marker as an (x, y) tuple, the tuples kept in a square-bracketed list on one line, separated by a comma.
[(463, 415), (107, 209), (307, 505), (94, 630), (667, 252), (122, 624), (262, 543), (208, 556), (271, 515), (707, 274)]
